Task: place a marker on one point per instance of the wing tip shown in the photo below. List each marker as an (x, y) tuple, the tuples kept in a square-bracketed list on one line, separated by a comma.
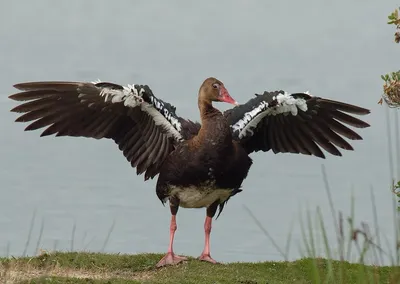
[(26, 86), (360, 110), (15, 97), (20, 86), (366, 124), (346, 107), (19, 119), (29, 128), (16, 108)]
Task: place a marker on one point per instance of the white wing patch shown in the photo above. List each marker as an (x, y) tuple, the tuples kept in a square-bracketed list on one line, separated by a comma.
[(167, 114), (96, 81), (286, 105), (159, 119), (249, 116), (132, 98)]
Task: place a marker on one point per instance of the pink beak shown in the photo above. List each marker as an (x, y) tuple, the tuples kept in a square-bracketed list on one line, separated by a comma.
[(225, 97)]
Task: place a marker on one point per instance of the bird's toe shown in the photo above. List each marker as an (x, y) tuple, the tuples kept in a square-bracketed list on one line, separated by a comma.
[(171, 259), (208, 258)]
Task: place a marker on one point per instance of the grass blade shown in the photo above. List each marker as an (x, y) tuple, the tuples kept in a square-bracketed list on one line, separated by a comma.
[(73, 236), (40, 237), (108, 236), (29, 234), (265, 232)]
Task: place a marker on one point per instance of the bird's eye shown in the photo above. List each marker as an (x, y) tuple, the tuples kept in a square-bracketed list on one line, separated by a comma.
[(215, 86)]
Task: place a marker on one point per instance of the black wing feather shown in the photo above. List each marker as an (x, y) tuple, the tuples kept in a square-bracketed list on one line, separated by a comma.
[(295, 123), (106, 110)]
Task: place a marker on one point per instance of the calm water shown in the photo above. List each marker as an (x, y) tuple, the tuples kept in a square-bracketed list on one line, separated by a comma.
[(336, 49)]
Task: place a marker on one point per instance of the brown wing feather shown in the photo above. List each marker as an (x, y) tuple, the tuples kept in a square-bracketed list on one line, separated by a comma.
[(272, 135), (78, 109), (330, 135), (321, 124), (298, 144)]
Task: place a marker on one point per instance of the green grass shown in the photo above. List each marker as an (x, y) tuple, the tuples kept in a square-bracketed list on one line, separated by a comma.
[(352, 240), (83, 267)]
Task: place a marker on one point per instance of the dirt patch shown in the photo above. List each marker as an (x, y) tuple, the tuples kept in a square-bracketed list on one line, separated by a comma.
[(15, 274)]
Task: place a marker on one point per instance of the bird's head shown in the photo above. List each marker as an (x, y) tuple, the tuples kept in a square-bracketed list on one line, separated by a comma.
[(213, 90)]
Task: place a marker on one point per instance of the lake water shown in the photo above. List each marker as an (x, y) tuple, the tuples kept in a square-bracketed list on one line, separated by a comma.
[(335, 49)]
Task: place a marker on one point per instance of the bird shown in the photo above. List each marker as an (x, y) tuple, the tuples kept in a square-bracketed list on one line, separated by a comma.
[(197, 164)]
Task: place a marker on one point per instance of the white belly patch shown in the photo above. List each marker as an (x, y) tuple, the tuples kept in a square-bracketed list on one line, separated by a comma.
[(199, 196)]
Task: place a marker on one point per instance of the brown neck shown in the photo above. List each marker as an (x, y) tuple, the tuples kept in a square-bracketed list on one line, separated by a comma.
[(209, 116), (206, 109), (213, 126)]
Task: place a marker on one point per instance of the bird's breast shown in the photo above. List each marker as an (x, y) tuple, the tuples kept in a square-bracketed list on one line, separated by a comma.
[(198, 196)]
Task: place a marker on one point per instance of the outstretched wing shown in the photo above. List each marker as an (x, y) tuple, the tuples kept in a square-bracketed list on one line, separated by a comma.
[(145, 128), (295, 123)]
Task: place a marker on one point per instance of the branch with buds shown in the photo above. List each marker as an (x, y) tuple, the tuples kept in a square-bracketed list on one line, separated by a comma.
[(395, 20), (391, 87)]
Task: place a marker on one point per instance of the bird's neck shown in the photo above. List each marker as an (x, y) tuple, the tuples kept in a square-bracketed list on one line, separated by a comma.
[(207, 111), (213, 124)]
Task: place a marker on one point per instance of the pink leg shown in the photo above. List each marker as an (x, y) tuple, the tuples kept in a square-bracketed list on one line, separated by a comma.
[(170, 258), (205, 255)]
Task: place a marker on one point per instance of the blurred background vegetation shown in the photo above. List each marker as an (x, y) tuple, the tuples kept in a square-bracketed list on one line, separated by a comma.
[(391, 86)]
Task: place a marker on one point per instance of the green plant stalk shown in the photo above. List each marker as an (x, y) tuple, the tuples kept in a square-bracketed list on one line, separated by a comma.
[(330, 276)]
